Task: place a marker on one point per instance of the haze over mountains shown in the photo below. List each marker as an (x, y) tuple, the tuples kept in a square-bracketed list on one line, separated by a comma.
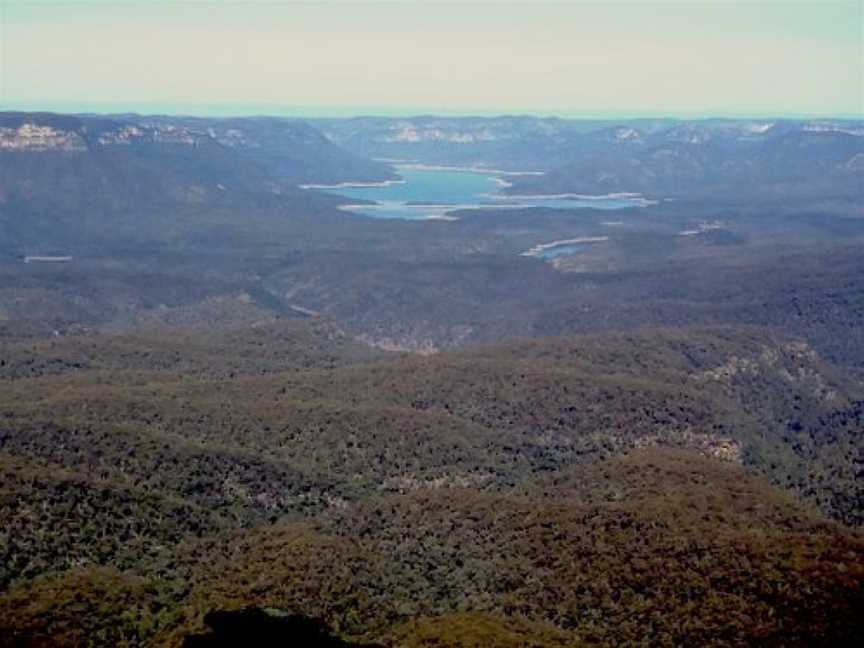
[(221, 391), (661, 158), (133, 196)]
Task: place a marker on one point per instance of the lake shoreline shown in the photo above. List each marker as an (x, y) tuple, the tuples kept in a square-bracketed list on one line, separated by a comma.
[(427, 192), (541, 249)]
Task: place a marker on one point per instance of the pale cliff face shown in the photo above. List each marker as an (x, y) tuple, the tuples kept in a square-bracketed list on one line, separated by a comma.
[(30, 137), (407, 132), (125, 135)]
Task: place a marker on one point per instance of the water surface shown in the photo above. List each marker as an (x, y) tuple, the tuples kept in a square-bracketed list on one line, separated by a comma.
[(424, 194)]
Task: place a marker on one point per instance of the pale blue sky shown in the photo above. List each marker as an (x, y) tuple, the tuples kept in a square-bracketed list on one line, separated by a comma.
[(693, 58)]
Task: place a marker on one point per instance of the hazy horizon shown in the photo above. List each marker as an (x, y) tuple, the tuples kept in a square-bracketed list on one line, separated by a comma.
[(579, 59), (334, 112)]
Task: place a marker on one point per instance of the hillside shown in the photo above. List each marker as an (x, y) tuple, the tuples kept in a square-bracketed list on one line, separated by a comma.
[(70, 184), (693, 160), (208, 414), (292, 150), (428, 324), (589, 489), (728, 160), (663, 546)]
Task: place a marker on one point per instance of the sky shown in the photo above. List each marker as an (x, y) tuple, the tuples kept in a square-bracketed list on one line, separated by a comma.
[(566, 58)]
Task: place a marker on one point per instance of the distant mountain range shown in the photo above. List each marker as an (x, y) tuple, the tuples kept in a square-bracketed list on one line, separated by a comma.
[(164, 197), (130, 159), (293, 151), (664, 158), (60, 164), (67, 178)]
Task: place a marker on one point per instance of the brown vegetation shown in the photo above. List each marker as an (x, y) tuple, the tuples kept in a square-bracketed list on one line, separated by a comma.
[(607, 489)]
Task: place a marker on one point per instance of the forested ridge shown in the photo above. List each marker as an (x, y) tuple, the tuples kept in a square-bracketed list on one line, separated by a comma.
[(666, 487)]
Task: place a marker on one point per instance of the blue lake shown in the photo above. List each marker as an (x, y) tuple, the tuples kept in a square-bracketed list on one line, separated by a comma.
[(562, 250), (425, 194)]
